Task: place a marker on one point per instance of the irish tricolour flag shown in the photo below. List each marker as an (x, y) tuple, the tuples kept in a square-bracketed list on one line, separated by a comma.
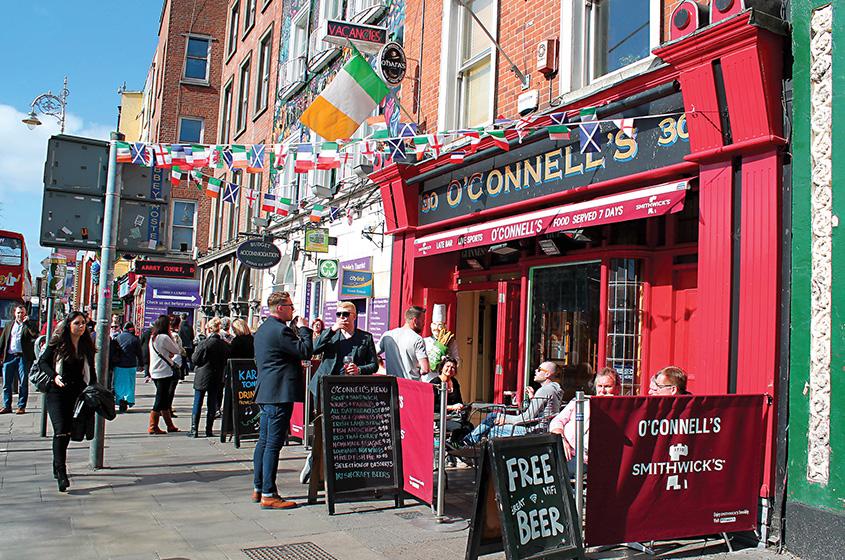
[(346, 102)]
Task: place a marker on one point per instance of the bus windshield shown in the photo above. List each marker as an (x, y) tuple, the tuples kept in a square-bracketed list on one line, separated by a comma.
[(11, 251)]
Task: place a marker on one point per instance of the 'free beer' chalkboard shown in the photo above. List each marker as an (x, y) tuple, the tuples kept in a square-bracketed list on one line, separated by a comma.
[(241, 415), (361, 435), (536, 511)]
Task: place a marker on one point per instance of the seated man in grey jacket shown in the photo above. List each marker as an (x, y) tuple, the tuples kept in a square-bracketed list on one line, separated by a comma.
[(542, 407)]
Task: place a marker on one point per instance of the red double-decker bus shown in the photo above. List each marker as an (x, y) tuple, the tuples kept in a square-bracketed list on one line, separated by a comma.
[(15, 280)]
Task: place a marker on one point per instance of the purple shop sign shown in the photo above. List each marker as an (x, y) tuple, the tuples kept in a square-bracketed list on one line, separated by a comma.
[(379, 317), (364, 263), (165, 295)]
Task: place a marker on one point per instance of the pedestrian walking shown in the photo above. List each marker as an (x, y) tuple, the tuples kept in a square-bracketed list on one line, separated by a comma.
[(69, 359), (17, 352)]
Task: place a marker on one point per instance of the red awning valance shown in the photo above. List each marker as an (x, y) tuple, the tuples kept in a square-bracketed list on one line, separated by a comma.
[(631, 205)]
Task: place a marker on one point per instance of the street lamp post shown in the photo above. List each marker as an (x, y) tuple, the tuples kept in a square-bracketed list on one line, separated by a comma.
[(48, 104)]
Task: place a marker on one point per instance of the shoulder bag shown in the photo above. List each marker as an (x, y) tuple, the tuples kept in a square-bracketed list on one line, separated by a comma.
[(177, 371)]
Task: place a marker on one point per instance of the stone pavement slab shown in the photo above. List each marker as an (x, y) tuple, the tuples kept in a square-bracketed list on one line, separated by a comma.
[(169, 496)]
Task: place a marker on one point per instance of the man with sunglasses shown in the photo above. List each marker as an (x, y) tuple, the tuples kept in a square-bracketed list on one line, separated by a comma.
[(669, 381), (278, 355), (543, 405), (347, 350)]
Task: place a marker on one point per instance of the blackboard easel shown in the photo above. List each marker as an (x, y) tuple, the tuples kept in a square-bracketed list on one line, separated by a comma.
[(360, 453), (523, 501), (240, 413)]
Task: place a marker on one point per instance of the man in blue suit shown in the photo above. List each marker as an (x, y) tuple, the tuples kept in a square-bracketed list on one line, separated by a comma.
[(279, 351)]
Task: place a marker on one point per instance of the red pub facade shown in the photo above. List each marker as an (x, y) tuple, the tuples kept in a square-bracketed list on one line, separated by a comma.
[(661, 249)]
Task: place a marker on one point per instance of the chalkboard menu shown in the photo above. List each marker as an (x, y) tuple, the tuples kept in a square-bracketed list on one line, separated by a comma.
[(361, 435), (240, 413), (525, 480)]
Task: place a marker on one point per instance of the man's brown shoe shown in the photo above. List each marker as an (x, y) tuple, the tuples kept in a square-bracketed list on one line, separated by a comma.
[(21, 410), (256, 497), (5, 410), (276, 503)]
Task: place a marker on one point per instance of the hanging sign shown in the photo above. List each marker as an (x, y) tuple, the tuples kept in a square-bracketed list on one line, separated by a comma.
[(327, 268), (257, 253), (317, 240), (391, 64), (356, 283)]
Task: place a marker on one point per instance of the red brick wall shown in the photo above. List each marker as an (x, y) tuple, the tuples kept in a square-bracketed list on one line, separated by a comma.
[(522, 24), (175, 99), (259, 128)]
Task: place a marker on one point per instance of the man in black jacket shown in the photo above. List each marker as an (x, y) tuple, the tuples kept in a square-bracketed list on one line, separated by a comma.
[(186, 335), (279, 351), (17, 352)]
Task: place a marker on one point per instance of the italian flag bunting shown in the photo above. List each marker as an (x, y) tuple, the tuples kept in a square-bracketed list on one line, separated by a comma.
[(317, 213), (499, 139)]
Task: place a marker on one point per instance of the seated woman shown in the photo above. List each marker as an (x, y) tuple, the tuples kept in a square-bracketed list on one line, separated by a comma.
[(457, 425)]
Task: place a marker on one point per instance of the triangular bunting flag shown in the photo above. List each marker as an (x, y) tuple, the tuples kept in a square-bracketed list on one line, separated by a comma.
[(175, 175), (139, 153), (230, 193), (626, 126), (251, 196), (317, 213), (213, 188), (304, 161), (397, 149), (499, 139), (435, 144), (269, 203), (590, 137), (239, 160), (558, 132), (328, 156), (124, 154), (283, 206), (457, 156), (200, 156), (256, 159)]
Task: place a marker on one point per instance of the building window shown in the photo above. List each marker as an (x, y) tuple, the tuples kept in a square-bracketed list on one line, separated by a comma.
[(475, 70), (183, 226), (243, 95), (226, 117), (197, 54), (621, 33), (600, 38), (249, 15), (467, 65), (232, 39), (625, 321), (298, 47), (190, 130), (265, 62)]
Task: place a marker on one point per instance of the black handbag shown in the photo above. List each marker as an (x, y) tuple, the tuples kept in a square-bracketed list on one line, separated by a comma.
[(39, 378)]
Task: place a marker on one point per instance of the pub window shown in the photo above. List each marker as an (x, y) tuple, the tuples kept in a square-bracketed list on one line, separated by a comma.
[(564, 322), (197, 54), (475, 66), (226, 116), (265, 62), (243, 95), (297, 51), (249, 15), (625, 321), (191, 130)]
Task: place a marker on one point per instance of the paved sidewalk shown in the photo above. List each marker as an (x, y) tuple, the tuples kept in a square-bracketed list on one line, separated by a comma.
[(169, 496)]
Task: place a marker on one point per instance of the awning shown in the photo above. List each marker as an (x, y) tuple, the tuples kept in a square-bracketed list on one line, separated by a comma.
[(631, 205)]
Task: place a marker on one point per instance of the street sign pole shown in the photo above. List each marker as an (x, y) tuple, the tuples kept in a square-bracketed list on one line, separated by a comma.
[(104, 294), (56, 266)]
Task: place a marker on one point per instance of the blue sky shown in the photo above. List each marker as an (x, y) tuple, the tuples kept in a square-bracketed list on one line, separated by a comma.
[(98, 45)]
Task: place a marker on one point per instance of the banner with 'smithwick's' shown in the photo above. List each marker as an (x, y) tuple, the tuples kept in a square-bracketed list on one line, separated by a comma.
[(673, 467)]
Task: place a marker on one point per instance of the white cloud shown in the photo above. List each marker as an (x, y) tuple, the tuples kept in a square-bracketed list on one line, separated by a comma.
[(23, 151), (22, 156)]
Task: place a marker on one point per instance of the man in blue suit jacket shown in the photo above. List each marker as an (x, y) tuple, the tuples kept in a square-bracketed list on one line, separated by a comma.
[(279, 351)]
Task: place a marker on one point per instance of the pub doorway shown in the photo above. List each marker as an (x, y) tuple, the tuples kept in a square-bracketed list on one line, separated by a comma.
[(475, 333)]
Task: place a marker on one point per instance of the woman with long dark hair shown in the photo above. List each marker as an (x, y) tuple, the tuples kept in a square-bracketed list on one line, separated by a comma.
[(163, 352), (69, 359)]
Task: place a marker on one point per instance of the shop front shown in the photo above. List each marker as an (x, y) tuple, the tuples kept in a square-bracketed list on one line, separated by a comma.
[(661, 248)]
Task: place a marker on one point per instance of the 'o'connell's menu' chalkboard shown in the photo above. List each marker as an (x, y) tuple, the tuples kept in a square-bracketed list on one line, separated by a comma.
[(361, 435), (536, 510), (240, 413)]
